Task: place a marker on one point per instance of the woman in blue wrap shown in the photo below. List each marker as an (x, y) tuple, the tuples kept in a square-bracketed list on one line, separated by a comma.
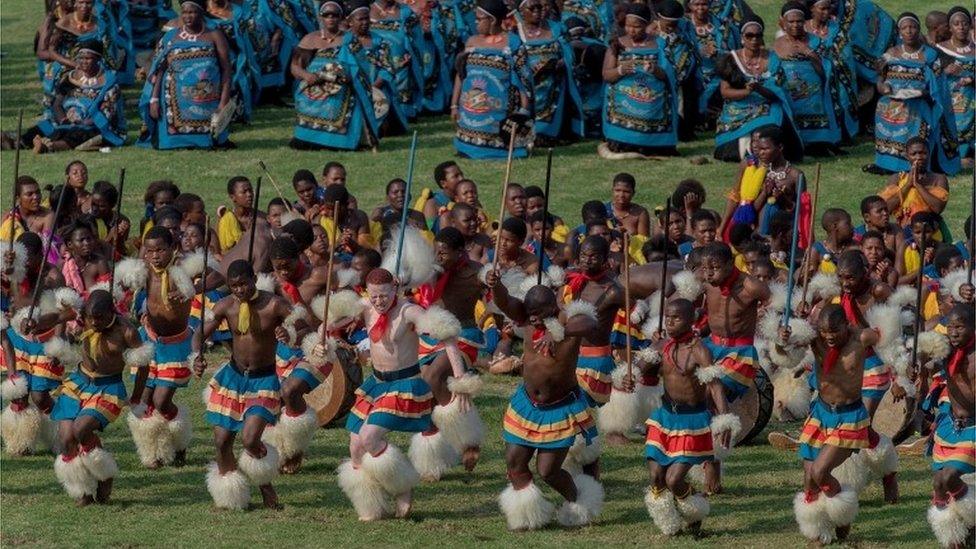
[(233, 20), (400, 26), (376, 61), (436, 42), (598, 15), (914, 102), (588, 53), (188, 82), (640, 106), (493, 82), (753, 94), (714, 39), (550, 60), (960, 71), (871, 30), (834, 47), (146, 20), (332, 96)]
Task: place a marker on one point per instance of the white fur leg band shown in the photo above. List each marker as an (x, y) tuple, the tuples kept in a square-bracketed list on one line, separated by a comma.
[(76, 479), (588, 504), (431, 455), (230, 490), (663, 511), (368, 498), (693, 508), (952, 523), (260, 471), (13, 388), (100, 463), (392, 470), (525, 509), (293, 434)]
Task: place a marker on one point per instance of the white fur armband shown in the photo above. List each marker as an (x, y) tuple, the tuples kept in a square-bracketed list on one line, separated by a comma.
[(181, 280), (469, 384), (20, 260), (709, 374), (67, 298), (14, 388), (296, 314), (951, 284), (439, 324), (824, 286), (902, 297), (777, 297), (640, 309), (726, 423), (192, 263), (63, 351), (554, 277), (131, 273), (346, 278), (648, 355), (342, 304), (555, 328), (580, 307), (907, 385), (140, 356), (686, 285), (886, 319), (933, 345), (267, 282)]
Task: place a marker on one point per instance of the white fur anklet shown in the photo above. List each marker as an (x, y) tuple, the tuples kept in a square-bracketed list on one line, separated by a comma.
[(230, 490), (525, 509)]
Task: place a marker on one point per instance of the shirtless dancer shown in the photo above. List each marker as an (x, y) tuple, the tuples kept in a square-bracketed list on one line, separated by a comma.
[(244, 395), (838, 422), (453, 434), (732, 300), (93, 396), (161, 429), (547, 412), (379, 479)]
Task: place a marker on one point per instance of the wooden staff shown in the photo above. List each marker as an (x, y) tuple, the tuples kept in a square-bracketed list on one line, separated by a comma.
[(13, 204), (406, 205), (808, 253), (47, 250), (627, 349), (254, 221), (274, 184), (508, 173), (323, 331), (545, 215), (115, 223), (972, 238), (790, 281), (918, 302), (664, 271), (203, 282)]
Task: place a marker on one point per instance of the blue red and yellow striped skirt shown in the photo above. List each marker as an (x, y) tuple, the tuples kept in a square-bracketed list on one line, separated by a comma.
[(594, 373), (170, 366), (469, 342), (548, 426), (44, 373), (398, 401), (738, 357), (843, 426), (222, 333), (235, 396), (953, 442), (82, 395), (877, 377), (679, 434)]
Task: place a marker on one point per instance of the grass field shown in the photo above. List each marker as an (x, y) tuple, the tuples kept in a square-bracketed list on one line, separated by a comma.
[(171, 507)]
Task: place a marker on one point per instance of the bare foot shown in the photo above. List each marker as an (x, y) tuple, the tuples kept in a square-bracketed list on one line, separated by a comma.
[(403, 504), (180, 459), (890, 483), (270, 497), (38, 144), (470, 458), (85, 501), (616, 439), (713, 478), (292, 465), (104, 491)]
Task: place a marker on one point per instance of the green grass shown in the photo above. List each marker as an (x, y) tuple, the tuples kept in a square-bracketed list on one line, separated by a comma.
[(172, 507)]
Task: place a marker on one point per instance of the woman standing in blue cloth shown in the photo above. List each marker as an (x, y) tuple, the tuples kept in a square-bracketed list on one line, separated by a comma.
[(376, 61), (399, 26), (679, 38), (753, 94), (187, 83), (493, 82), (960, 70), (914, 102), (714, 39), (86, 112), (146, 19), (550, 60), (588, 53), (834, 47), (808, 82), (266, 41), (871, 30), (640, 106), (332, 98), (227, 17), (434, 31)]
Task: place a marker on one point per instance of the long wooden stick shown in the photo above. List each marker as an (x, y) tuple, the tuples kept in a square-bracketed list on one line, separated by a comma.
[(274, 184), (972, 225), (254, 221), (116, 215), (13, 203), (664, 268), (627, 350), (323, 331), (808, 253), (501, 214), (545, 216), (790, 281), (203, 281), (918, 301), (406, 204), (47, 250)]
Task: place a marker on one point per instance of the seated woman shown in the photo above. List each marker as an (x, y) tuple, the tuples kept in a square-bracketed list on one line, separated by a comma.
[(808, 79), (398, 26), (752, 87), (493, 82), (187, 84), (85, 112), (918, 189), (715, 38), (960, 71), (550, 59), (914, 102), (376, 60), (332, 96), (640, 107), (834, 48)]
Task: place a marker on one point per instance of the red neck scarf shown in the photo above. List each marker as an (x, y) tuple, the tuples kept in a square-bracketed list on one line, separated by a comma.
[(833, 353), (851, 310), (958, 355), (379, 328), (428, 294), (290, 288), (576, 280), (673, 342), (726, 285)]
